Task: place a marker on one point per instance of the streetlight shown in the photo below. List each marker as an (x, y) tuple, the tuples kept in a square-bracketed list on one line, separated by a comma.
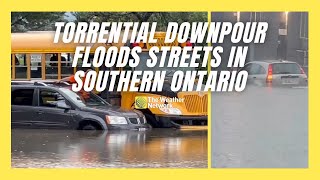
[(286, 19)]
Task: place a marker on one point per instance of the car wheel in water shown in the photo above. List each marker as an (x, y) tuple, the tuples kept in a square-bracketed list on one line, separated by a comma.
[(152, 121), (89, 127)]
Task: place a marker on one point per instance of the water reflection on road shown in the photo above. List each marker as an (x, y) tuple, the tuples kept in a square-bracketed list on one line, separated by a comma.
[(115, 149), (260, 127)]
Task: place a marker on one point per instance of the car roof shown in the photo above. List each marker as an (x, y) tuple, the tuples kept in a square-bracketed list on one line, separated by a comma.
[(272, 61), (40, 83)]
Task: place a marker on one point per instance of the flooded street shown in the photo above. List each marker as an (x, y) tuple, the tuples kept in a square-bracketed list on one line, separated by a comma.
[(261, 127), (114, 149)]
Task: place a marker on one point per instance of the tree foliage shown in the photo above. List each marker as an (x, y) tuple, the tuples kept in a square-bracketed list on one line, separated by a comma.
[(34, 21), (44, 21), (162, 18)]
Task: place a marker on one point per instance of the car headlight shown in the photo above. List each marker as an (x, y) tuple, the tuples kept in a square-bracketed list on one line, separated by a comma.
[(144, 120), (173, 111), (116, 120)]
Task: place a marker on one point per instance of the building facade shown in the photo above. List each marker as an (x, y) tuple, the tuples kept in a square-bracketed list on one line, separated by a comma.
[(287, 35)]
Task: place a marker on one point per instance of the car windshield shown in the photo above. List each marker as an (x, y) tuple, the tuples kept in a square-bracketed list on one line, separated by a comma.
[(169, 70), (286, 68), (83, 98)]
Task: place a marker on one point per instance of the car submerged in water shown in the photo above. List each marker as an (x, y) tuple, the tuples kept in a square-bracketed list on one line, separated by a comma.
[(50, 105)]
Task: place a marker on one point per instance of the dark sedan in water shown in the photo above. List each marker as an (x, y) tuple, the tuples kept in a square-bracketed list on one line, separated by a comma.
[(44, 105)]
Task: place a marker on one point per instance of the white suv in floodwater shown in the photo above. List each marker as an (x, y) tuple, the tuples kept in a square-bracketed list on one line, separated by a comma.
[(275, 72)]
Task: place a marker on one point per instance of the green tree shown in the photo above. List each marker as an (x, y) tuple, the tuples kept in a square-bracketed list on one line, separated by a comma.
[(34, 21), (162, 18)]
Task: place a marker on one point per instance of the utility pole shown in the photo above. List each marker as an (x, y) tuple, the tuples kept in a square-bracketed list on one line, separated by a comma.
[(253, 18), (283, 37)]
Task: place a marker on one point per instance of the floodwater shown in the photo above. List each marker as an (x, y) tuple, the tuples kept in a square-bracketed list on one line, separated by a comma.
[(262, 127), (156, 148)]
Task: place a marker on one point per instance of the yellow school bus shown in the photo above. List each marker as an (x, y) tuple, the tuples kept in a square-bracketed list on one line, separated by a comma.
[(34, 56)]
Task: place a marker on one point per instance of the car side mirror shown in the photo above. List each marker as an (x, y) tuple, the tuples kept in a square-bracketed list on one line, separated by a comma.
[(62, 105)]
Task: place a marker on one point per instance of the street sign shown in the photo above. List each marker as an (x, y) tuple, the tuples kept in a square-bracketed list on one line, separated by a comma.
[(282, 32)]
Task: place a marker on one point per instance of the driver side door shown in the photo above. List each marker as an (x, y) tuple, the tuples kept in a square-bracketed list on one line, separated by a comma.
[(48, 114)]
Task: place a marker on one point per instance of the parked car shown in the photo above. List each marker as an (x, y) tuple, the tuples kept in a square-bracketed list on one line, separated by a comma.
[(275, 72), (53, 105)]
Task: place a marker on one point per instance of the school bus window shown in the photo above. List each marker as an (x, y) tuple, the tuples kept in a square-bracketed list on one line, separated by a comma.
[(66, 65), (127, 67), (79, 63), (142, 66), (51, 66), (14, 62), (35, 67), (21, 66)]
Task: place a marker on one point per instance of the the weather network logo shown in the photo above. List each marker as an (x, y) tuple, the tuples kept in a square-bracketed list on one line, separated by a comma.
[(141, 102)]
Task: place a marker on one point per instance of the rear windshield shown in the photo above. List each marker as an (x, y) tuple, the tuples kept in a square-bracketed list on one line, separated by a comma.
[(286, 68)]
